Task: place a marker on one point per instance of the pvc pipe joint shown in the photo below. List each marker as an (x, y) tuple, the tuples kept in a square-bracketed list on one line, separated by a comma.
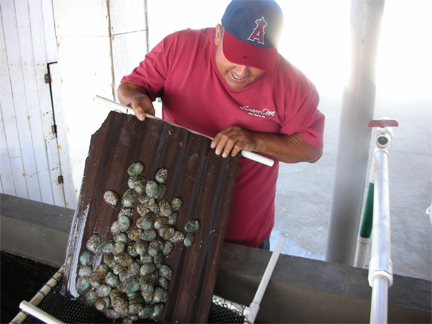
[(383, 138), (380, 265)]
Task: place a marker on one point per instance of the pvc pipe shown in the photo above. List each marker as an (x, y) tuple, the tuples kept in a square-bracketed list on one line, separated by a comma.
[(380, 266), (379, 304), (38, 313), (252, 311), (257, 158), (382, 140), (112, 105), (361, 252), (380, 263), (40, 295)]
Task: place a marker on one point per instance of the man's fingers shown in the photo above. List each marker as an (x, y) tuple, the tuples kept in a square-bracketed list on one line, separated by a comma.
[(227, 151), (215, 140), (236, 149), (142, 105), (223, 144), (139, 112), (231, 140)]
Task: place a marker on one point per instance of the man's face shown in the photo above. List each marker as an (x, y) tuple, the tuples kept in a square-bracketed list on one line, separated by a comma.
[(236, 76)]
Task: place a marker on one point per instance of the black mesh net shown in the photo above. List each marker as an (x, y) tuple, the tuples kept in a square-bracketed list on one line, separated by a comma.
[(71, 311), (221, 313)]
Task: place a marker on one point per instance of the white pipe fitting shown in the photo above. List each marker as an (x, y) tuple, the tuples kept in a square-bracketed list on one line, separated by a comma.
[(383, 138)]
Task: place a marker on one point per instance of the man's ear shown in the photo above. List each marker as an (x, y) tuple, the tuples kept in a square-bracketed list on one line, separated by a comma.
[(218, 34)]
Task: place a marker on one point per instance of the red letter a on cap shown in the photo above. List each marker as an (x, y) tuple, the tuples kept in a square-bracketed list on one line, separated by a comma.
[(259, 32)]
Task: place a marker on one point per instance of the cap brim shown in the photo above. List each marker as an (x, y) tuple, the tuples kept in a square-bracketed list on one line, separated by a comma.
[(242, 53)]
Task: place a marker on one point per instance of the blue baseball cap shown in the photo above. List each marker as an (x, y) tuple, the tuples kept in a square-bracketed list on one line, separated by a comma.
[(252, 30)]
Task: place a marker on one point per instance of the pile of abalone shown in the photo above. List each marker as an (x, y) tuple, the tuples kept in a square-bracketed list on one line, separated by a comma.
[(133, 282)]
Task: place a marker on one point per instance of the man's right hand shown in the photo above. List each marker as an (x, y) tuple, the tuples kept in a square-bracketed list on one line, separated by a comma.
[(142, 105), (137, 98)]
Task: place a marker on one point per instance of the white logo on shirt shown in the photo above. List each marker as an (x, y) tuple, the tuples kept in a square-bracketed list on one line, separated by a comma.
[(263, 113)]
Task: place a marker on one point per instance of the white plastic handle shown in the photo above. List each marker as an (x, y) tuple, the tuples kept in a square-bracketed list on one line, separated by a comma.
[(38, 313), (112, 105), (257, 158)]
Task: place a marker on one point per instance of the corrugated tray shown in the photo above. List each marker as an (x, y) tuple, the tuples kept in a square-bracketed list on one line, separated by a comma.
[(203, 180)]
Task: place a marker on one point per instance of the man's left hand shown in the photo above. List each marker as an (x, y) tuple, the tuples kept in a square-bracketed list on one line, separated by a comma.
[(232, 140), (285, 148)]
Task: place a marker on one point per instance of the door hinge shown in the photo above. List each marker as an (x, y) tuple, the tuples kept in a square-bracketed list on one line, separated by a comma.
[(48, 78), (54, 130), (60, 179)]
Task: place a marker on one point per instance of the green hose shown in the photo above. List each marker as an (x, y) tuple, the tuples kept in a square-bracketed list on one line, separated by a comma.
[(366, 227)]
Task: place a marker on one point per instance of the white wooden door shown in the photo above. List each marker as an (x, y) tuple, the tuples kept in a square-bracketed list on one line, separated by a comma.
[(29, 148)]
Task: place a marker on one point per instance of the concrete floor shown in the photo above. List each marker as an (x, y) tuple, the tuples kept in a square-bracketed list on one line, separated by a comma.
[(304, 192)]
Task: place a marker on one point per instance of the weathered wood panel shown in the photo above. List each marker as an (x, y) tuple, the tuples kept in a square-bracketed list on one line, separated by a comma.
[(7, 102), (203, 180), (39, 30), (70, 195), (49, 30), (32, 45), (6, 184), (17, 43), (29, 151)]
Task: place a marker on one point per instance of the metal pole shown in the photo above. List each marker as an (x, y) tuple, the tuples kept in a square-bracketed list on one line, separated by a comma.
[(354, 134)]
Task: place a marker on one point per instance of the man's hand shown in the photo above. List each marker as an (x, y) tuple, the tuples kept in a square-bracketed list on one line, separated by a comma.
[(137, 98), (232, 140), (142, 105), (285, 148)]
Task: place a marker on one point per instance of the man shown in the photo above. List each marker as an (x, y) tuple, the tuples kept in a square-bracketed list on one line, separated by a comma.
[(231, 84)]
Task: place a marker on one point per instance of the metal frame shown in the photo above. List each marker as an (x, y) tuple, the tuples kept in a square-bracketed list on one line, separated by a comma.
[(380, 265)]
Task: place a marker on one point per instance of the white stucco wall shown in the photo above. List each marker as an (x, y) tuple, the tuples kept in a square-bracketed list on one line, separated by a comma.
[(98, 42)]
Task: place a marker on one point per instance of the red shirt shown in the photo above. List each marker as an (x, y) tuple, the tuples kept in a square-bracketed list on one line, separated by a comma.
[(182, 70)]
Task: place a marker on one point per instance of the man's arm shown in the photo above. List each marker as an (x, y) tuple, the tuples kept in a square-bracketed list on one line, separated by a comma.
[(233, 139), (284, 148), (136, 97)]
